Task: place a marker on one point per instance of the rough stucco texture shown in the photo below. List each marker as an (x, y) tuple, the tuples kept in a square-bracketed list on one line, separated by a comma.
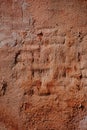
[(43, 64)]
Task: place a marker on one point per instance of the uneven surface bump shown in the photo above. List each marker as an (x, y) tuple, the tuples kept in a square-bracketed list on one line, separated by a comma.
[(43, 64)]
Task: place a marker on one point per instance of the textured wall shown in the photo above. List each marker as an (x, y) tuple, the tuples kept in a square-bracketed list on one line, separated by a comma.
[(43, 64)]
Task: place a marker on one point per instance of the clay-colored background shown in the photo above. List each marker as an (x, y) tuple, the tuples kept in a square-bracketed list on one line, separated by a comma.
[(43, 64)]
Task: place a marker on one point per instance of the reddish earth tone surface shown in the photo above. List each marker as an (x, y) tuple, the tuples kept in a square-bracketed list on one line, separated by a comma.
[(43, 64)]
